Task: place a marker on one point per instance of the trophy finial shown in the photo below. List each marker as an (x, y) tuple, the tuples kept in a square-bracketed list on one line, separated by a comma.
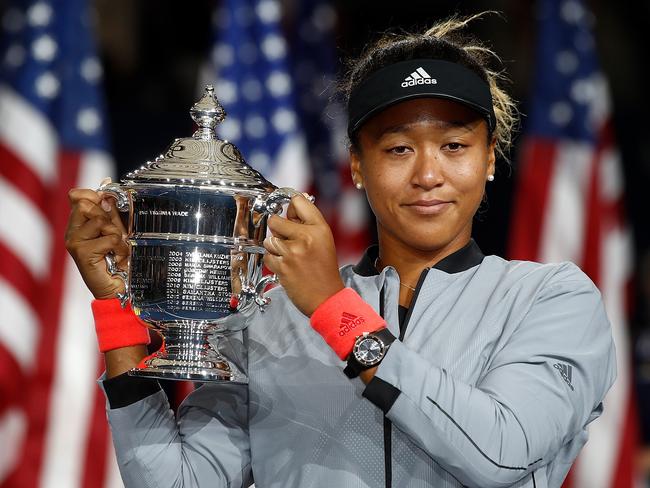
[(207, 113)]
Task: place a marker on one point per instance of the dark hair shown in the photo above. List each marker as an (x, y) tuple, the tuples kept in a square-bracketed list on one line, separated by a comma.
[(441, 41)]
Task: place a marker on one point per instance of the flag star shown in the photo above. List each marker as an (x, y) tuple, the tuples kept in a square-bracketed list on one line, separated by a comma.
[(268, 11), (13, 20), (223, 54), (88, 121), (561, 113), (248, 53), (230, 129), (44, 48), (274, 47), (221, 18), (15, 55), (255, 126), (260, 161), (284, 120), (572, 11), (324, 17), (583, 90), (566, 62), (278, 83), (226, 91), (252, 90), (39, 14), (91, 70), (308, 33), (245, 15), (583, 41), (47, 85)]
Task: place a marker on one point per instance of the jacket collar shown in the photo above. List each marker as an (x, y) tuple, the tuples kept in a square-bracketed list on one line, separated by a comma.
[(461, 260)]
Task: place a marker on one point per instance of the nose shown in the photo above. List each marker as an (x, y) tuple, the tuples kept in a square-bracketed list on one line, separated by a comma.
[(427, 172)]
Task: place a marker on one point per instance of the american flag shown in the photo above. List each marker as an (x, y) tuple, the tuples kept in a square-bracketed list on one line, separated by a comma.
[(276, 94), (52, 138), (569, 206)]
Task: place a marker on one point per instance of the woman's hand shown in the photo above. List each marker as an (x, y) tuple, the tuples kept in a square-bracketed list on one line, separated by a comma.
[(95, 229), (301, 252)]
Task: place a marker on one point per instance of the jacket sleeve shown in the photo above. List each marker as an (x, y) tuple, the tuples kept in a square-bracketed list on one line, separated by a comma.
[(207, 446), (539, 391)]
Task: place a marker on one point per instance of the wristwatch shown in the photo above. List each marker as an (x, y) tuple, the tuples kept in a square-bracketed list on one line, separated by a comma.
[(368, 351)]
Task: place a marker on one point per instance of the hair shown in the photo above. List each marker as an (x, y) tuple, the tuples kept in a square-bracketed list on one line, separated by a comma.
[(443, 41)]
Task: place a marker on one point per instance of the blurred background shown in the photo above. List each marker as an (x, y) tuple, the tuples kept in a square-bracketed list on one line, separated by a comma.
[(98, 88)]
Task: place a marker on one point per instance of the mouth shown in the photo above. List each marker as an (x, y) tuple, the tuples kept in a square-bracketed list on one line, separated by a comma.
[(428, 207)]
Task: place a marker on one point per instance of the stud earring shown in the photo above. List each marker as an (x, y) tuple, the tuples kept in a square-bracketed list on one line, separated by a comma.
[(359, 185), (490, 178)]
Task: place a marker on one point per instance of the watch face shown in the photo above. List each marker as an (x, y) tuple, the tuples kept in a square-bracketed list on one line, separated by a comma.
[(369, 351)]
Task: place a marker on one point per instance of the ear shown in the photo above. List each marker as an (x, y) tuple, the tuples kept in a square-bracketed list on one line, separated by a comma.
[(355, 167), (491, 166)]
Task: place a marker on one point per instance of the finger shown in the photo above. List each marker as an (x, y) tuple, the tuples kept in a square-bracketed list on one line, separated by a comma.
[(304, 210), (115, 215), (84, 210), (273, 263), (275, 246), (93, 229), (77, 194), (101, 246), (284, 228)]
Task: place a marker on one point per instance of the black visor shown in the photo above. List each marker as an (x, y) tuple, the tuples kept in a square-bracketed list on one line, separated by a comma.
[(419, 78)]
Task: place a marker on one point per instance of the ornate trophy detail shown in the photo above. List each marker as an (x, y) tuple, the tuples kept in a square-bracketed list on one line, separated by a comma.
[(196, 218)]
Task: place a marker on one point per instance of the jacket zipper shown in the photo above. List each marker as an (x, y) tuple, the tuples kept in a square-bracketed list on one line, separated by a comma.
[(388, 426)]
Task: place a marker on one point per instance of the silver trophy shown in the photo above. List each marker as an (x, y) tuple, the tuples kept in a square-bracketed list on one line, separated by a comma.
[(195, 219)]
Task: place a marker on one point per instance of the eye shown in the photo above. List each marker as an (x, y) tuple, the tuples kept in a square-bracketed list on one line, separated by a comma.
[(399, 150), (454, 146)]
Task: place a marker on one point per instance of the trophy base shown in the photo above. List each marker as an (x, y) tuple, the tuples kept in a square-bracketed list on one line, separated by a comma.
[(191, 352), (215, 370)]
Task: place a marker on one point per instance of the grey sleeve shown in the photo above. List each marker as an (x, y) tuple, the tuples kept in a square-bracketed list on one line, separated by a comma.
[(207, 446), (528, 403)]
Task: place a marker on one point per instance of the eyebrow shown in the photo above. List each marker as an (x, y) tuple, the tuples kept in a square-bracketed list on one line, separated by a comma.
[(443, 124)]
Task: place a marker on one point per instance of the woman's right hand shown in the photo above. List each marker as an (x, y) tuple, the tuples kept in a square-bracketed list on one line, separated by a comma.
[(95, 229)]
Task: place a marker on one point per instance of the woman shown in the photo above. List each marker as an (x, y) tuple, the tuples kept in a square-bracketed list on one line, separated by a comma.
[(460, 369)]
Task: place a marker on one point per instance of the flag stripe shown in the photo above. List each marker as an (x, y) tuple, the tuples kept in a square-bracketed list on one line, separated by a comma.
[(31, 240), (22, 178), (19, 328), (30, 134), (531, 198), (29, 471), (16, 274), (11, 381), (95, 466)]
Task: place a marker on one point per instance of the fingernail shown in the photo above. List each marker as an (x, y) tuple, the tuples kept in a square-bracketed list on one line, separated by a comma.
[(106, 205), (105, 181)]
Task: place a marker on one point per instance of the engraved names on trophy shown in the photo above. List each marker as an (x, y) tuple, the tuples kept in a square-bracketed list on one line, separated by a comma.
[(198, 280)]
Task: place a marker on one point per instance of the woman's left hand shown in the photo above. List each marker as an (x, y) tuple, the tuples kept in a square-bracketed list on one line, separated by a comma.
[(301, 252)]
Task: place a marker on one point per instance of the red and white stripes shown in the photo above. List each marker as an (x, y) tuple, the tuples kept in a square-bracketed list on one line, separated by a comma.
[(51, 412)]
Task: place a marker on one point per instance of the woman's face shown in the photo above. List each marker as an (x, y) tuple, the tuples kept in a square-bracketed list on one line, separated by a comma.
[(424, 164)]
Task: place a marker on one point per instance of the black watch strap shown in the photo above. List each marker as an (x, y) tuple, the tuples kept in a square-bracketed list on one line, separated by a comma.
[(354, 367)]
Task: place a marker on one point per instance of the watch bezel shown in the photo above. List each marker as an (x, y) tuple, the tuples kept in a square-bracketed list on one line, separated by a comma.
[(360, 340)]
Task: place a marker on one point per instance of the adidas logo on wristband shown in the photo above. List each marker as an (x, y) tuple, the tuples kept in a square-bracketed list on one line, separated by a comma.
[(349, 322), (418, 77)]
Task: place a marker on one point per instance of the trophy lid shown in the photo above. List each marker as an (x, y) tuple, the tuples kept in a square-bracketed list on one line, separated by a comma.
[(202, 160)]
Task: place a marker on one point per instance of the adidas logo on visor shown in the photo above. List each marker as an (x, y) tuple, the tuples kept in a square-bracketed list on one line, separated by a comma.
[(418, 77)]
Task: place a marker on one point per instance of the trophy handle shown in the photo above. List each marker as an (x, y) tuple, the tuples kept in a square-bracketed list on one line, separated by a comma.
[(122, 203), (121, 196), (114, 270), (272, 203)]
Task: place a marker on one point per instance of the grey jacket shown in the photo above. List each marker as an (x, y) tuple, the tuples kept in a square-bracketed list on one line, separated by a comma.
[(499, 370)]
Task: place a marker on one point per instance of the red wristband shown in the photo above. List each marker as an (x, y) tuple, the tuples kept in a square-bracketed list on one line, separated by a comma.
[(342, 318), (116, 326)]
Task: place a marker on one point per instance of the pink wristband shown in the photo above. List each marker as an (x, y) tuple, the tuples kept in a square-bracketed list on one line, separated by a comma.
[(342, 318), (116, 326)]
